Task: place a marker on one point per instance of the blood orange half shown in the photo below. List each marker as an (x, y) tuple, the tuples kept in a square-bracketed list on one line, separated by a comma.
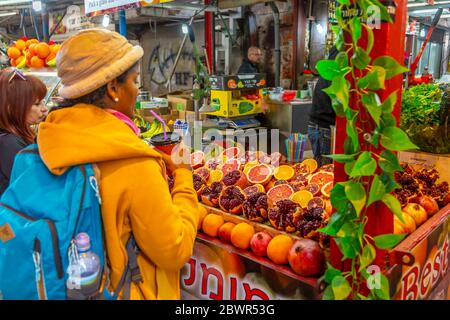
[(231, 165), (280, 192), (260, 173), (321, 178), (197, 159)]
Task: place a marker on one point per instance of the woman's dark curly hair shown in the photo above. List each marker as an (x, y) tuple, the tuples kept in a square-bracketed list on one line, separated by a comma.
[(96, 97)]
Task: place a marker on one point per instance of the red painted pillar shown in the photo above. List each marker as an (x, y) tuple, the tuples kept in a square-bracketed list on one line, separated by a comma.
[(389, 40), (209, 36)]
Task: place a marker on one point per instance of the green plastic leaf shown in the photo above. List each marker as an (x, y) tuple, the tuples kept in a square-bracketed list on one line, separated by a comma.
[(349, 246), (338, 197), (348, 146), (340, 89), (367, 256), (388, 120), (374, 80), (351, 130), (395, 139), (338, 108), (377, 190), (388, 105), (388, 162), (334, 225), (365, 165), (394, 205), (344, 2), (341, 288), (342, 158), (370, 102), (328, 69), (342, 59), (389, 182), (383, 292), (356, 29), (340, 40), (349, 167), (361, 297), (388, 241), (328, 293), (356, 193), (331, 273), (392, 67), (360, 58), (370, 38)]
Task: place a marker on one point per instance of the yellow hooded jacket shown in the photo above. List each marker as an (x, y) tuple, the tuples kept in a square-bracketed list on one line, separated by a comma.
[(134, 192)]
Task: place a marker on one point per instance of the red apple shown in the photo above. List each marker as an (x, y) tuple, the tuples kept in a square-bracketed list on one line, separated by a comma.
[(429, 204), (417, 212), (306, 258), (259, 243)]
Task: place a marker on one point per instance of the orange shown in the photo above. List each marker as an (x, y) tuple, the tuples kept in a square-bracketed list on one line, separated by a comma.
[(284, 172), (302, 197), (312, 164), (29, 55), (21, 45), (215, 176), (225, 231), (13, 62), (278, 249), (42, 50), (50, 57), (211, 224), (14, 53), (37, 62), (32, 49), (241, 235)]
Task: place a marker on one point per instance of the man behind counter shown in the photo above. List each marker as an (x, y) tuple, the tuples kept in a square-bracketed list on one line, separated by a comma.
[(251, 63)]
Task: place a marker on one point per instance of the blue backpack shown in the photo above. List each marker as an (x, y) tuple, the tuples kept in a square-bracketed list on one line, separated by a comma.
[(40, 216)]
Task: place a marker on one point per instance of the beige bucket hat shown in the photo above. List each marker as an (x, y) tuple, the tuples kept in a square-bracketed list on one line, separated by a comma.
[(92, 58)]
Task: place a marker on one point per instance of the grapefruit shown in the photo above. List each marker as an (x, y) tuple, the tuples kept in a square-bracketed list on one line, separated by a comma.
[(284, 172), (326, 189), (280, 192), (232, 153), (260, 173), (314, 188), (248, 166), (231, 165), (302, 197), (321, 178), (312, 164), (197, 159)]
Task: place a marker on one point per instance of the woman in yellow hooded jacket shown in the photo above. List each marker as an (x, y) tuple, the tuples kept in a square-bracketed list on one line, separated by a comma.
[(99, 71)]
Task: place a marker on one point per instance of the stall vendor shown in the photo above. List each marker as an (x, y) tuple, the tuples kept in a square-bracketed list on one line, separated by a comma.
[(251, 63)]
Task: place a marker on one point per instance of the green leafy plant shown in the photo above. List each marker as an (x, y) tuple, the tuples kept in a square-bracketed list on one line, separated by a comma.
[(369, 125)]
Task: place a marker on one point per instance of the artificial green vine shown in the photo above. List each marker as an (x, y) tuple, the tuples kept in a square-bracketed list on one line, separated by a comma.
[(359, 78)]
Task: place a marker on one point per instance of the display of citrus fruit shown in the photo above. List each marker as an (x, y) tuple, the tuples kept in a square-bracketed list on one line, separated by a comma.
[(314, 188), (302, 197), (248, 166), (14, 53), (278, 249), (37, 62), (261, 173), (241, 235), (254, 189), (211, 224), (301, 168), (21, 45), (321, 178), (284, 172), (42, 50), (215, 176), (197, 159), (280, 192), (224, 233), (232, 153), (326, 189), (315, 202)]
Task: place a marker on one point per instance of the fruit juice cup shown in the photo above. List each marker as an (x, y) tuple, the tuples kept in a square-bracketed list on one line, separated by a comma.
[(165, 145)]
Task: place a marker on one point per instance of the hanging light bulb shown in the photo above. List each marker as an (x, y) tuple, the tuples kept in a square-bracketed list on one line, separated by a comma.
[(319, 28), (106, 20), (185, 29), (37, 5)]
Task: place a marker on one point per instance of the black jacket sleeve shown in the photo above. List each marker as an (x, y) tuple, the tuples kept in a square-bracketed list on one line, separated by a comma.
[(247, 67), (10, 145)]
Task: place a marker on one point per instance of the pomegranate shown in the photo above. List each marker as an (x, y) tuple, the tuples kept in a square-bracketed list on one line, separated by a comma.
[(306, 258), (429, 204), (231, 199), (210, 194), (255, 207), (259, 243), (417, 212), (235, 178), (199, 184), (285, 215)]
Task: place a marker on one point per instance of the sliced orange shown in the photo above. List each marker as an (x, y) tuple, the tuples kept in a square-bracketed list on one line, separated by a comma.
[(215, 176), (312, 164), (284, 172), (248, 166), (302, 197)]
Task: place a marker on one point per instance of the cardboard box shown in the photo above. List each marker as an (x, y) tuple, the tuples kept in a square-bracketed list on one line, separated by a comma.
[(189, 116), (181, 102), (418, 159)]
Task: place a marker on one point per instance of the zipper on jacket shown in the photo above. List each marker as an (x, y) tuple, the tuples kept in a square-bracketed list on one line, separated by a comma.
[(40, 285), (54, 233)]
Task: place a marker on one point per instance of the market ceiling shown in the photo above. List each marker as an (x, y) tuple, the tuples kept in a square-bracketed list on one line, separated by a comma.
[(427, 8)]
